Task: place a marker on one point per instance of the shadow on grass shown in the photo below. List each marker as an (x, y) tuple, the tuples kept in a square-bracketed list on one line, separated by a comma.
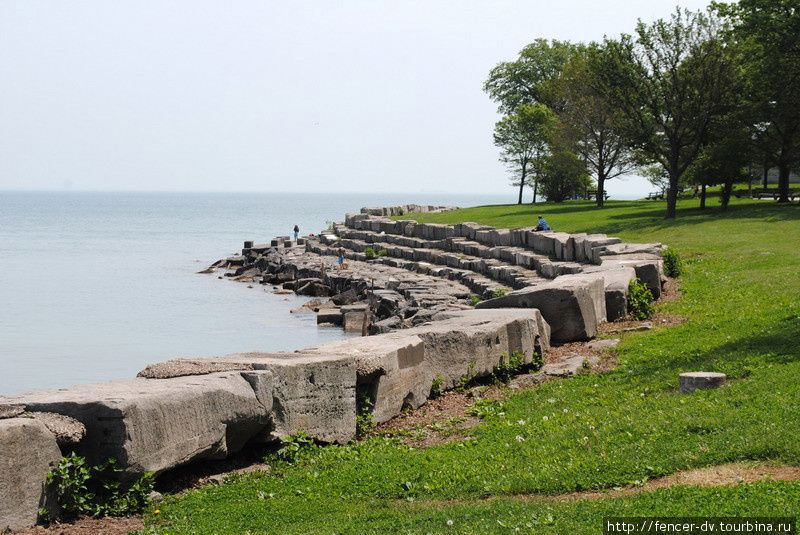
[(778, 344), (653, 219)]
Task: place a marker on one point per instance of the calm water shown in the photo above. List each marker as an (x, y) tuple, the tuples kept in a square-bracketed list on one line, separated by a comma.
[(97, 285)]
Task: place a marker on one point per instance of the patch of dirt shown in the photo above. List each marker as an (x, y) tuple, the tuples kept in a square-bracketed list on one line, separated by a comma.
[(671, 291), (88, 526), (440, 420), (712, 476)]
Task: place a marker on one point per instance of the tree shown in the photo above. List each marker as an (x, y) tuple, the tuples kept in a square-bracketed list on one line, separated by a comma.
[(670, 82), (767, 34), (595, 126), (723, 161), (523, 137), (564, 175), (657, 176), (527, 80)]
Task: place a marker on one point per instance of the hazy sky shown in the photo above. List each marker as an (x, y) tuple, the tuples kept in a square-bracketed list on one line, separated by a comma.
[(271, 96)]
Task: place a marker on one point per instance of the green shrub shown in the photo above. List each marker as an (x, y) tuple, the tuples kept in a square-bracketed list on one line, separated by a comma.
[(369, 252), (673, 265), (97, 490), (474, 300), (484, 407), (295, 447), (515, 364), (500, 292), (382, 252), (640, 300), (436, 386), (508, 367)]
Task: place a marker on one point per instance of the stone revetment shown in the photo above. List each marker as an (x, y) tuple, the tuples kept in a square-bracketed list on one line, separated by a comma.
[(437, 301)]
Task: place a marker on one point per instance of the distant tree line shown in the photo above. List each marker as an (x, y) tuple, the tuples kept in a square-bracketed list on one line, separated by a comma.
[(699, 98)]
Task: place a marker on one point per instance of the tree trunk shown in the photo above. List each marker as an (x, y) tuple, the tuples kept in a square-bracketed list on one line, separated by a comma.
[(703, 197), (725, 194), (521, 185), (783, 182), (766, 174), (535, 187), (601, 180), (672, 193)]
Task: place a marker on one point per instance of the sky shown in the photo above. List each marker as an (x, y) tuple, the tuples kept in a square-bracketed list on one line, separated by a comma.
[(305, 96)]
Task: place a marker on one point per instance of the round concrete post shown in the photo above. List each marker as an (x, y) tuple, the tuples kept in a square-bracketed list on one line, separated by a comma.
[(691, 381)]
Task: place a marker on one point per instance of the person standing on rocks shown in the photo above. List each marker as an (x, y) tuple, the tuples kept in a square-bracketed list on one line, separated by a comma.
[(296, 232), (341, 257)]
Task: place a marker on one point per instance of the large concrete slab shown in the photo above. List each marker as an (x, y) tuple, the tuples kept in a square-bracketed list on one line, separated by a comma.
[(313, 393), (28, 451), (395, 370), (153, 425), (573, 309)]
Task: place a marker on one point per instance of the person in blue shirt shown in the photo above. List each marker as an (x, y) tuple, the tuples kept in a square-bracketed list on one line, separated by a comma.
[(542, 225)]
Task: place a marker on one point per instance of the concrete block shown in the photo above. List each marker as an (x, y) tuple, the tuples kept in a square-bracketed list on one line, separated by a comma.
[(691, 381)]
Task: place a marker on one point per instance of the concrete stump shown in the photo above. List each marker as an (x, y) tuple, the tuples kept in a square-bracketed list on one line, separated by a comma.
[(248, 244), (691, 381)]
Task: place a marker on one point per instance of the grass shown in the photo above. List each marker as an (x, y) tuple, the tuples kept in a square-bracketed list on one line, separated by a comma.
[(741, 293)]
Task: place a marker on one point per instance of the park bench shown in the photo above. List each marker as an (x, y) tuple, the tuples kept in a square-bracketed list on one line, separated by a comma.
[(591, 195), (761, 193), (655, 195)]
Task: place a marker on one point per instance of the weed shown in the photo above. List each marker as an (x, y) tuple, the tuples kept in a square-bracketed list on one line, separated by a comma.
[(640, 300), (466, 380), (365, 421), (485, 407), (382, 252), (369, 252), (436, 386), (296, 447), (474, 300), (500, 292), (99, 490), (673, 265)]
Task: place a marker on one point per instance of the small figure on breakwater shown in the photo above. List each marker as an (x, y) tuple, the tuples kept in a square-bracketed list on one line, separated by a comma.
[(296, 232), (542, 225), (342, 264)]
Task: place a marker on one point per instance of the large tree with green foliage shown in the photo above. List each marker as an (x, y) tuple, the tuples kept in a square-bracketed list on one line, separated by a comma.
[(523, 137), (767, 37), (594, 125), (564, 175), (671, 81), (528, 79)]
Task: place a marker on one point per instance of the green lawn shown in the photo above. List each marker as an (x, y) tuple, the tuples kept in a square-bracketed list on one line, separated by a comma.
[(742, 297)]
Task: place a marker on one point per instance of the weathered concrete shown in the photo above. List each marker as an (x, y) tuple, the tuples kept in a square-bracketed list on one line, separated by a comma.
[(396, 370), (649, 268), (310, 393), (66, 430), (691, 381), (616, 283), (569, 307), (28, 451), (154, 425)]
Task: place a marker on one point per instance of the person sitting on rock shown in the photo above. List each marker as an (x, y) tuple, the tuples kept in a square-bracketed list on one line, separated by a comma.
[(542, 225), (341, 257)]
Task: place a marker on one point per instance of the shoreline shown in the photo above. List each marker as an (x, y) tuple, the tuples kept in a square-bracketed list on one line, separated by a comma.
[(426, 336)]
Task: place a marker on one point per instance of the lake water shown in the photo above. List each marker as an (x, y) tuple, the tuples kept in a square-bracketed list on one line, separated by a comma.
[(98, 285)]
